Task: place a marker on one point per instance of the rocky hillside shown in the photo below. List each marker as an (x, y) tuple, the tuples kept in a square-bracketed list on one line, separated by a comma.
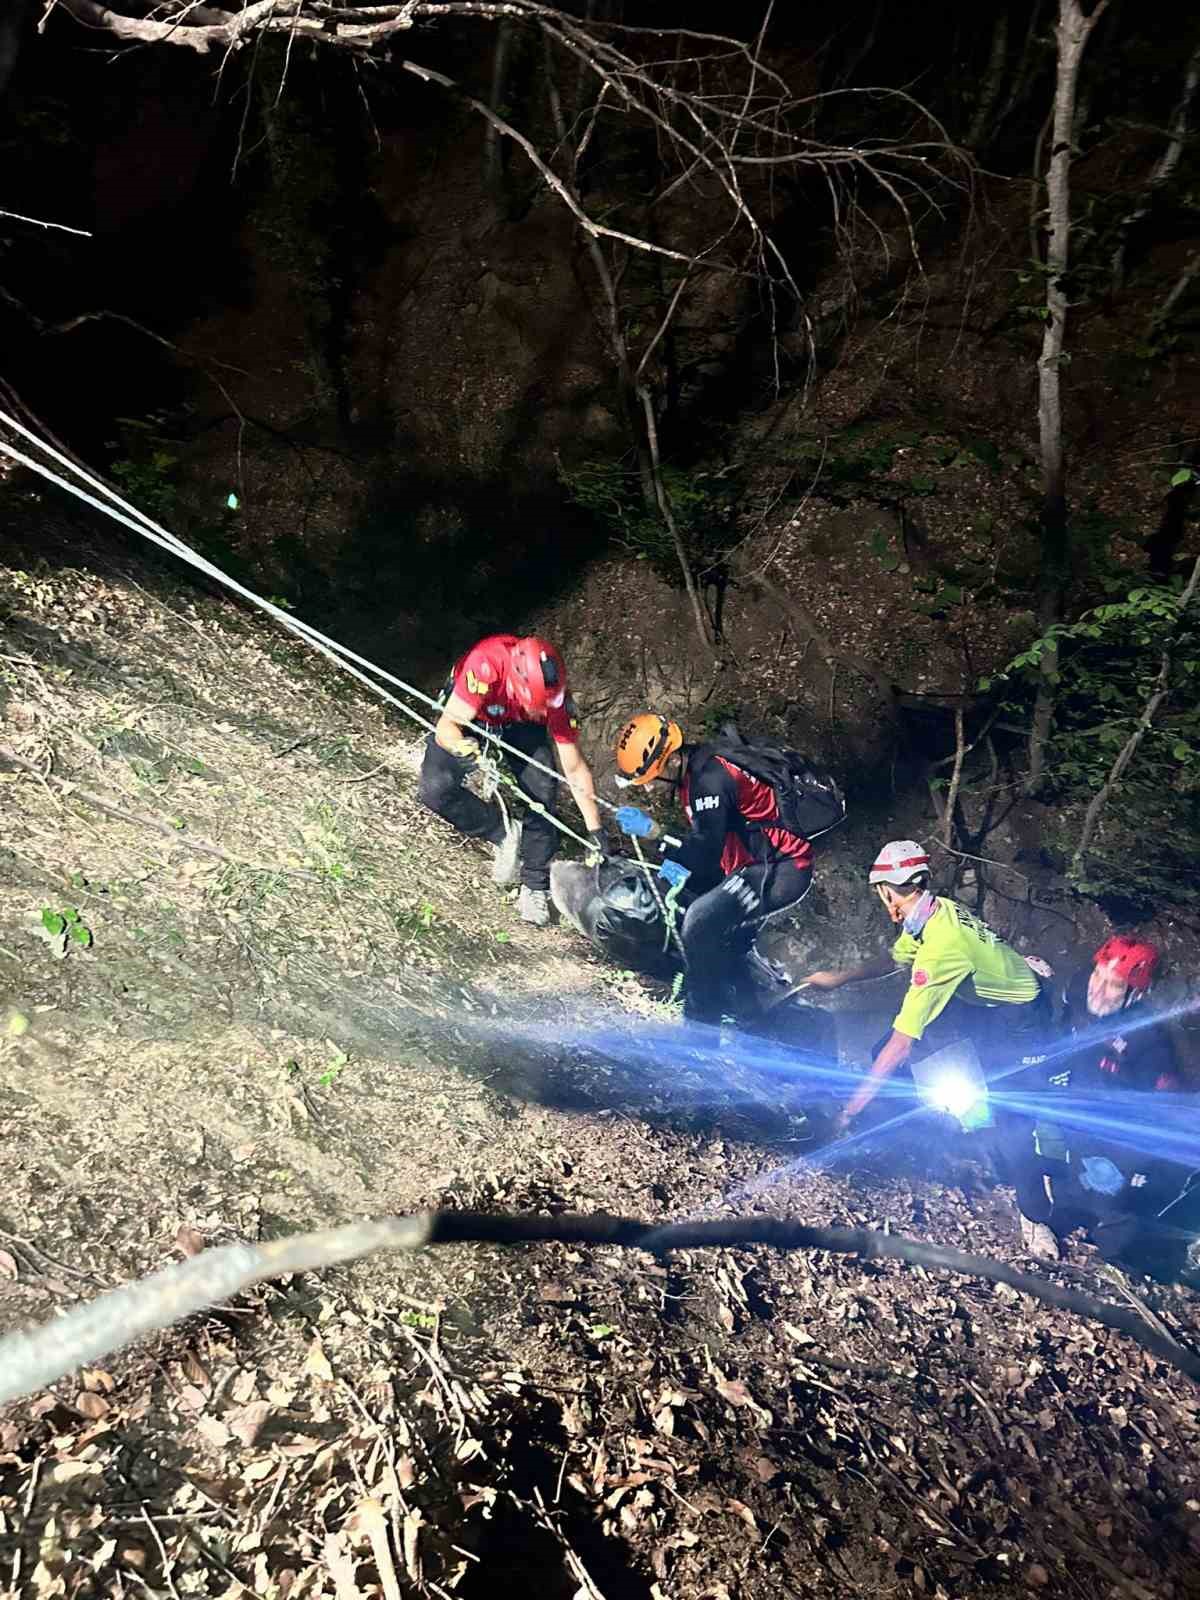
[(251, 987)]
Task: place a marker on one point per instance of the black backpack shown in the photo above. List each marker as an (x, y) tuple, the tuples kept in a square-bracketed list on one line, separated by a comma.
[(810, 802)]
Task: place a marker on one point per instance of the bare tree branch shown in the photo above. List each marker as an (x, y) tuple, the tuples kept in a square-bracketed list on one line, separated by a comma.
[(1160, 691), (39, 223), (31, 1360)]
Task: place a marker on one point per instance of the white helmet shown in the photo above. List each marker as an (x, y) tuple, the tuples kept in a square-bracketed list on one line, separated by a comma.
[(899, 862)]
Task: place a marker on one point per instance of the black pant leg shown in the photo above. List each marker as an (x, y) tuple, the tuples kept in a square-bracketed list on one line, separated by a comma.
[(539, 837), (720, 927), (441, 789)]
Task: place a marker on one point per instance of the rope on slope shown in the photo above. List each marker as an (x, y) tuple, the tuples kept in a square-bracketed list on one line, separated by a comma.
[(341, 655)]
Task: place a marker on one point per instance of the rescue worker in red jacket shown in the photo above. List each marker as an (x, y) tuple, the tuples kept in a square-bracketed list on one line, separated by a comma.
[(516, 688), (738, 866), (1127, 1194), (1118, 1042)]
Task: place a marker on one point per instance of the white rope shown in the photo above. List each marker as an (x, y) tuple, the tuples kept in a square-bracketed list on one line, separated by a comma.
[(348, 660), (340, 654)]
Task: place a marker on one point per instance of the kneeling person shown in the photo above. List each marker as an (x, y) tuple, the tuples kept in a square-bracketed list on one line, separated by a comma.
[(740, 859), (965, 979), (516, 688)]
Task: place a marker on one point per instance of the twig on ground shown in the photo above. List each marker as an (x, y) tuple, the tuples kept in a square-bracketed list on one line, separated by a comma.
[(168, 1566), (30, 1492), (286, 749), (37, 1255), (989, 1413), (1115, 1276)]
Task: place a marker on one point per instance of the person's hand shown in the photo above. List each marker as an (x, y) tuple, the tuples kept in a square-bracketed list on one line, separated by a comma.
[(822, 980), (599, 843), (671, 872), (634, 821), (465, 749), (842, 1124)]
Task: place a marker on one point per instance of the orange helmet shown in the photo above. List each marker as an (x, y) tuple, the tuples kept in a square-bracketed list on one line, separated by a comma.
[(646, 744)]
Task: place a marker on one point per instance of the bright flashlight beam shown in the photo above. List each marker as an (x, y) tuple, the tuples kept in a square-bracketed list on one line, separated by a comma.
[(954, 1093)]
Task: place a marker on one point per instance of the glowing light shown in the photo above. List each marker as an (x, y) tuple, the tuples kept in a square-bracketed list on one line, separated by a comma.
[(953, 1092)]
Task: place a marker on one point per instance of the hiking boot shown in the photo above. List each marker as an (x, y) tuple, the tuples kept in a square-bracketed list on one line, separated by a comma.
[(508, 857), (1038, 1238), (534, 906)]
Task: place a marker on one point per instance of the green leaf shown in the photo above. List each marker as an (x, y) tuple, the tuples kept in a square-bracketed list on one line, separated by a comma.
[(952, 595), (890, 561), (602, 1330), (1184, 475), (81, 935), (1182, 752), (52, 922)]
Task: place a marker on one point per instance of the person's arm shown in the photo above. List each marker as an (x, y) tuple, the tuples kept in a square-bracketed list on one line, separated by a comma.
[(894, 1053), (579, 775), (712, 798), (451, 730), (878, 967)]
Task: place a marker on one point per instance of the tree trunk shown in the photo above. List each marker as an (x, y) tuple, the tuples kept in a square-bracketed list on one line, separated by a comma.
[(493, 161), (1072, 33), (1026, 68), (1164, 167), (979, 133)]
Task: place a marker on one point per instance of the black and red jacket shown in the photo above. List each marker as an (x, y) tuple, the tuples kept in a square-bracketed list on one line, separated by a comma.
[(1129, 1050), (731, 815)]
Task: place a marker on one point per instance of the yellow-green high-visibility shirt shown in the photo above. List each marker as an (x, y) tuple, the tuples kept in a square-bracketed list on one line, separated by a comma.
[(957, 954)]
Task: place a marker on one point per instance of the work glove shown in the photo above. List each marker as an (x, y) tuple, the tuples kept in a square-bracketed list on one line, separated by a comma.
[(466, 749), (599, 843), (634, 821), (674, 874)]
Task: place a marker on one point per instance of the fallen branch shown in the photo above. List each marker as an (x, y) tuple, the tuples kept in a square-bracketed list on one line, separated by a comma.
[(31, 1360)]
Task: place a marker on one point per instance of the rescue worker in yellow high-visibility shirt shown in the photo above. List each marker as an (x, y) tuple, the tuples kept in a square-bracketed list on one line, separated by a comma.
[(962, 973)]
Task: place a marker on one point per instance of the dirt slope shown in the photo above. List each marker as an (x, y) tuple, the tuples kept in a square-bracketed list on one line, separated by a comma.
[(301, 1002)]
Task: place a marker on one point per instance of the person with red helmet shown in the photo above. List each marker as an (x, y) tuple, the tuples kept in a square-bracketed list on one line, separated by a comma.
[(515, 688), (1099, 1001), (1114, 1043)]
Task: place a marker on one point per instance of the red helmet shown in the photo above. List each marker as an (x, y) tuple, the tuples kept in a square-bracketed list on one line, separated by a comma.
[(538, 676), (1131, 960)]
